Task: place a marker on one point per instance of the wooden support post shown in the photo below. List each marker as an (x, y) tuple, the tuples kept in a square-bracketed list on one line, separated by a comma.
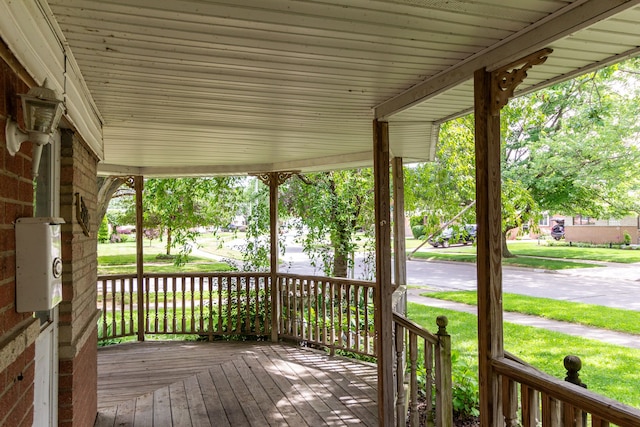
[(399, 244), (273, 230), (489, 257), (492, 91), (384, 288), (444, 379), (138, 185)]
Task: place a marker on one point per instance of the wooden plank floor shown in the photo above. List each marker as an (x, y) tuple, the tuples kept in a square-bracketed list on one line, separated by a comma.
[(182, 384)]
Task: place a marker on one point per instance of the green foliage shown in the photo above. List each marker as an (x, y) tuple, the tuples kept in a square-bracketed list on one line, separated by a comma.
[(546, 350), (571, 148), (418, 231), (103, 231), (627, 238), (333, 213), (178, 206), (466, 392)]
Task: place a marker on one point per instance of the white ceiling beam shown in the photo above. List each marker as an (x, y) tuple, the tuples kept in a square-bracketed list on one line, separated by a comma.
[(573, 18)]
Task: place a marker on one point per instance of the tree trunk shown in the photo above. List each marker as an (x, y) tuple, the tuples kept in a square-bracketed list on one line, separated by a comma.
[(505, 249), (168, 241), (340, 264)]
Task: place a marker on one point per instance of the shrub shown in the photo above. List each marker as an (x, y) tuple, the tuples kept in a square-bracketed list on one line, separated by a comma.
[(416, 220), (418, 231), (627, 238), (103, 231)]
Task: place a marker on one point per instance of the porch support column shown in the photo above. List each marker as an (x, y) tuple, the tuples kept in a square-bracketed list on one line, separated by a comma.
[(399, 235), (492, 91), (138, 182), (274, 180), (384, 288), (275, 250)]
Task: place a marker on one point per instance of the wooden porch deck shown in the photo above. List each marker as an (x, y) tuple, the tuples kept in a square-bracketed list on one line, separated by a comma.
[(183, 384)]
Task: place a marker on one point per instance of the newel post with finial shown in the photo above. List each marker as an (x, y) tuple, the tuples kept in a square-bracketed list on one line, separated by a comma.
[(444, 388)]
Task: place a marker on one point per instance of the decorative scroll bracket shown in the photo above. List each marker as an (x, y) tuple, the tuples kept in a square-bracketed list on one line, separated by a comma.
[(506, 79), (278, 177), (82, 215)]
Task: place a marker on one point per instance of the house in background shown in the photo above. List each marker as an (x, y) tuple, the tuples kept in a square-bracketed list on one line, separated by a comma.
[(580, 229)]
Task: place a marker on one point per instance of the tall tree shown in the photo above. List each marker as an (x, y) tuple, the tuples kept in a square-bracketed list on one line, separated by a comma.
[(179, 205), (336, 206), (571, 148)]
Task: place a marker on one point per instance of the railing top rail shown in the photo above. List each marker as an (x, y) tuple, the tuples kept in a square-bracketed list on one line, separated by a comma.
[(117, 276), (340, 280), (415, 328), (209, 274), (603, 407)]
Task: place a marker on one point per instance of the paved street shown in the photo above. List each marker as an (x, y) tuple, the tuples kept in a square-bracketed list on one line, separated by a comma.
[(614, 285)]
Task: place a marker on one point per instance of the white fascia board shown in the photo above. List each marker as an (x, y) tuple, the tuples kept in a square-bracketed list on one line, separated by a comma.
[(576, 16), (31, 33)]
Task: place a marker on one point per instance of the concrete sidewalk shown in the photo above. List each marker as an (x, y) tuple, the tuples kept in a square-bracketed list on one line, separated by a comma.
[(616, 338)]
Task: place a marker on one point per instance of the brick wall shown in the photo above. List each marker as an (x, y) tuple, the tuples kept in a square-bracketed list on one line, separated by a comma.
[(600, 234), (78, 339), (18, 331)]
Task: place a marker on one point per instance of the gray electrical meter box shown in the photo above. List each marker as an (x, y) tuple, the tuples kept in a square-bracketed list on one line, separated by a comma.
[(38, 264)]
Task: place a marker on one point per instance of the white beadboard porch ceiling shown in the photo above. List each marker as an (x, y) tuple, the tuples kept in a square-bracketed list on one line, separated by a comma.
[(240, 86)]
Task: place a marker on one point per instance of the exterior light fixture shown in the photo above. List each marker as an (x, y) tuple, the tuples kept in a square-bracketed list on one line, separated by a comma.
[(42, 110)]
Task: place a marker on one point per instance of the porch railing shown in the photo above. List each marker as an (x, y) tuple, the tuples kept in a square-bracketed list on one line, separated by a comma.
[(328, 312), (531, 398), (425, 356), (209, 305)]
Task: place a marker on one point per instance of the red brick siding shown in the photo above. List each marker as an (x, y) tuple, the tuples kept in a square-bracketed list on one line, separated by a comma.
[(78, 346), (78, 399), (16, 200)]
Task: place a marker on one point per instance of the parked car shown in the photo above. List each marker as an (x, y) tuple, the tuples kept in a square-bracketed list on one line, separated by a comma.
[(455, 235)]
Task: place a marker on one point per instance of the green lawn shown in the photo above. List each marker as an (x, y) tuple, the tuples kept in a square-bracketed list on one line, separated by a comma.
[(607, 369), (467, 254), (598, 316), (120, 258), (563, 251)]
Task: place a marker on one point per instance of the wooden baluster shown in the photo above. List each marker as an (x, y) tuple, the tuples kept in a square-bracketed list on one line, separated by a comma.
[(220, 287), (413, 384), (316, 319), (203, 291), (256, 321), (105, 295), (444, 387), (349, 318), (114, 325), (192, 282), (183, 290), (130, 309), (325, 330), (401, 410), (157, 305), (332, 307), (247, 305), (530, 407), (211, 310), (367, 334), (510, 402), (574, 416), (428, 384), (174, 305), (598, 422), (340, 331), (228, 302), (551, 412), (358, 332)]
